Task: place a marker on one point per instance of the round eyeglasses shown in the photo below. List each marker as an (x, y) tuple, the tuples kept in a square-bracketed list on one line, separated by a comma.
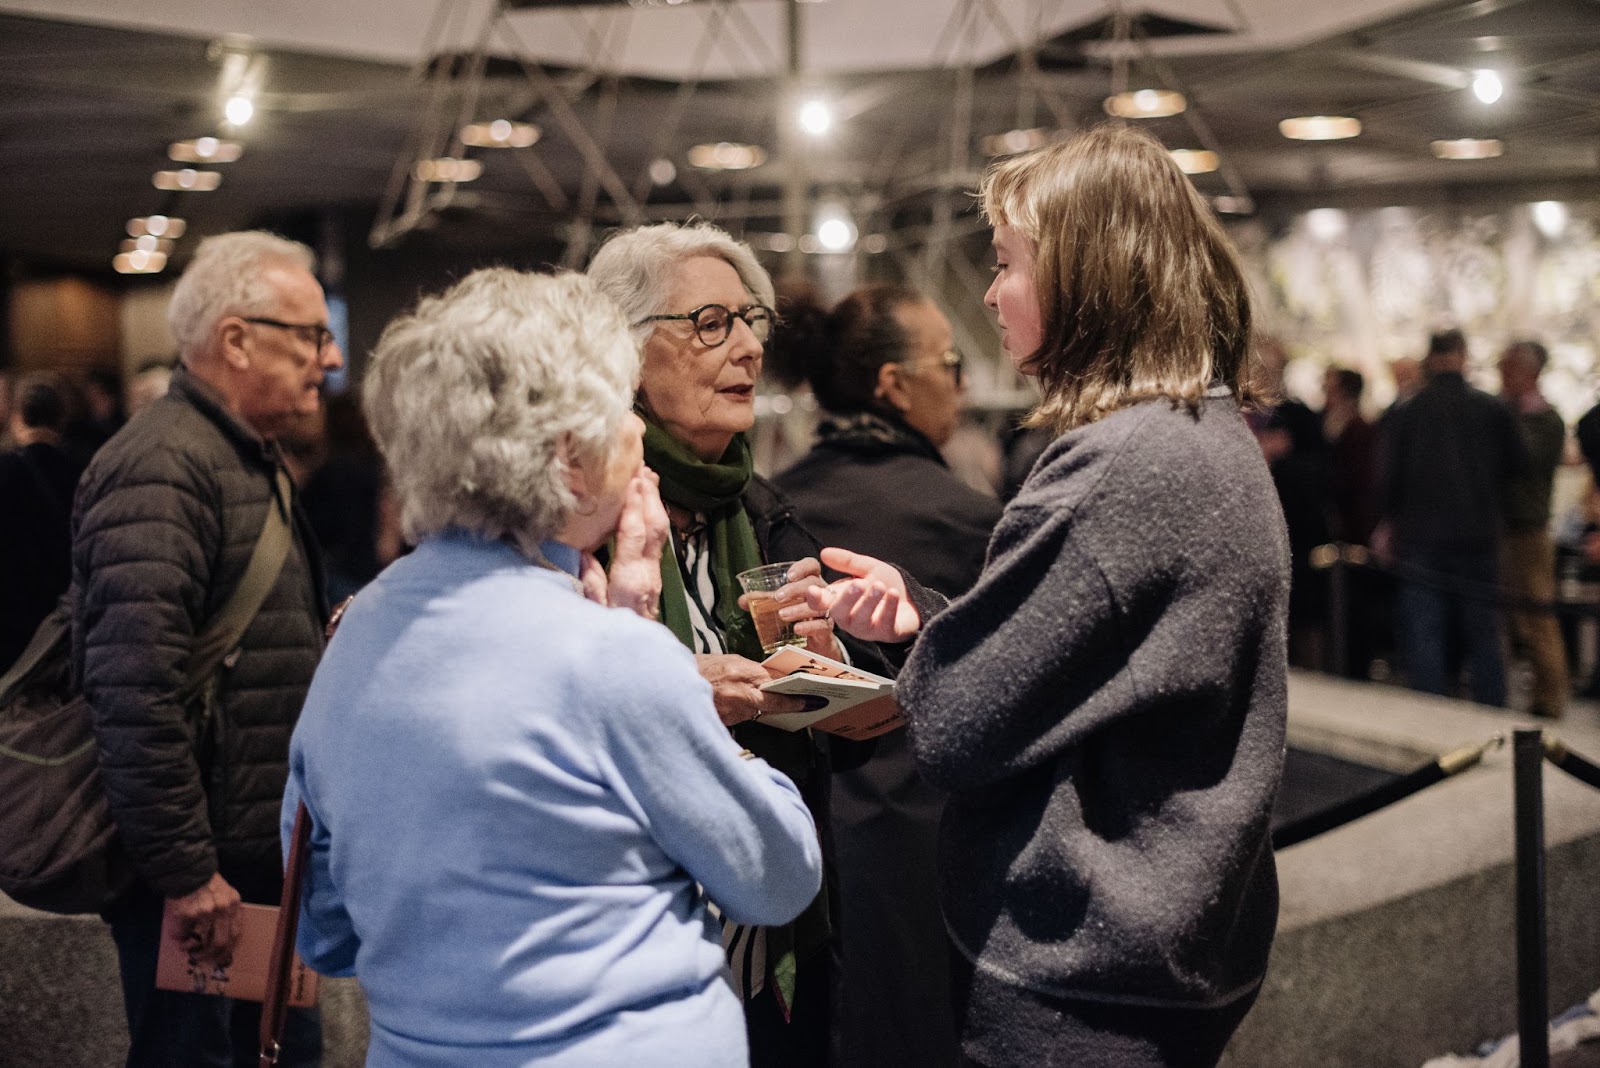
[(714, 322)]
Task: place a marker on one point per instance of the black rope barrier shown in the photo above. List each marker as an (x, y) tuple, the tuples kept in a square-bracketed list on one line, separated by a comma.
[(1360, 558), (1579, 767), (1383, 795)]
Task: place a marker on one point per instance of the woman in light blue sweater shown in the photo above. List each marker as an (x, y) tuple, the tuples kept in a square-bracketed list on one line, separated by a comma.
[(522, 800)]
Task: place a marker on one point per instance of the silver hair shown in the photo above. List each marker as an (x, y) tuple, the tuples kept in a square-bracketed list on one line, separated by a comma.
[(637, 268), (226, 278), (481, 397)]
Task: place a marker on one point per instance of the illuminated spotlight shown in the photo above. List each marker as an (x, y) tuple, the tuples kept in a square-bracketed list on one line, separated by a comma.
[(239, 109), (447, 169), (205, 150), (1487, 86), (1550, 216), (501, 133), (663, 172), (835, 230), (1320, 127), (1013, 141), (1468, 148), (139, 262), (727, 156), (146, 244), (816, 117), (156, 225), (187, 180), (1327, 224), (1233, 205), (1146, 104), (1195, 160)]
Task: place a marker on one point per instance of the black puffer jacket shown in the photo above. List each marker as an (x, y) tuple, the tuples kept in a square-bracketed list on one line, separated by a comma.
[(165, 521)]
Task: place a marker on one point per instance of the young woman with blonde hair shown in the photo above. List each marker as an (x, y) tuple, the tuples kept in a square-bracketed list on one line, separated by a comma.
[(1106, 706)]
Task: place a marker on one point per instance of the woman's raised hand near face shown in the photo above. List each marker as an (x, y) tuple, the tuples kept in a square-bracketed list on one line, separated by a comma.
[(634, 579), (873, 605)]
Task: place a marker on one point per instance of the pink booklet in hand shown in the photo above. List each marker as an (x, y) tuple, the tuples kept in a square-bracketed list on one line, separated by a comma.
[(246, 977), (842, 700)]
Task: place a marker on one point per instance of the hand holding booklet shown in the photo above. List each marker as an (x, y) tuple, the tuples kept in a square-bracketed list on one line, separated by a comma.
[(246, 978), (840, 699)]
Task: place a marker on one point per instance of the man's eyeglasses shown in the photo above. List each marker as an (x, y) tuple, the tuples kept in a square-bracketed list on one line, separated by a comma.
[(714, 322), (951, 359), (316, 333)]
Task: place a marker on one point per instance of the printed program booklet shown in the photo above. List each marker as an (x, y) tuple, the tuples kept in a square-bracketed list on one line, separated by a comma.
[(246, 977), (843, 700)]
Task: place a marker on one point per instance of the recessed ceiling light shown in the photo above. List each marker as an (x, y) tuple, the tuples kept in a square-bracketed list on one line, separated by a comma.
[(663, 172), (501, 133), (1146, 104), (1233, 205), (157, 225), (139, 262), (1550, 216), (205, 150), (1013, 141), (727, 156), (239, 109), (816, 117), (447, 169), (1194, 160), (1487, 86), (1468, 148), (146, 244), (187, 180), (1320, 127)]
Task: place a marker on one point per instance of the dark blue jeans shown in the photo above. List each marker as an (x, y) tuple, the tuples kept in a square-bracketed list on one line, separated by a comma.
[(167, 1029), (1435, 620)]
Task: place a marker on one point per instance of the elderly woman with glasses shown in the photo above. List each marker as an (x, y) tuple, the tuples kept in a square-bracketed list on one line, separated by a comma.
[(701, 306), (522, 800), (882, 364)]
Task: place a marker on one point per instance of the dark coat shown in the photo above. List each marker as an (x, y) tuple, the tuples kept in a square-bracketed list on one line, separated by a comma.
[(891, 496), (1107, 709), (167, 516), (36, 486)]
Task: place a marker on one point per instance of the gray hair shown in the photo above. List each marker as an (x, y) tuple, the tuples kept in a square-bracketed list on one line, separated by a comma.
[(481, 397), (225, 278), (636, 268)]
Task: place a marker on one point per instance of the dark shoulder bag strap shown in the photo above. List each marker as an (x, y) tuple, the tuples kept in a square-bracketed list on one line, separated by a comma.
[(260, 575), (280, 966)]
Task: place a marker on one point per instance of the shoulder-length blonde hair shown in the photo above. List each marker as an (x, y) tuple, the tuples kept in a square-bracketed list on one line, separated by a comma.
[(1141, 295)]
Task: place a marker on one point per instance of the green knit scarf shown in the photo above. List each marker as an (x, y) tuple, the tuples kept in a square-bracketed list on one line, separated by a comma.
[(714, 490)]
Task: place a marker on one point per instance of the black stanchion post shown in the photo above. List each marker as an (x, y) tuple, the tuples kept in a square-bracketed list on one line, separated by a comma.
[(1533, 980)]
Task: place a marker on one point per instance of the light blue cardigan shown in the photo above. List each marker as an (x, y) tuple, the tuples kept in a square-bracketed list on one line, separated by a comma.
[(514, 793)]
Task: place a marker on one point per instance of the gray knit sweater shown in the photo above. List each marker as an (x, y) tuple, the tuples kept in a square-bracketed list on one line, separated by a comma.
[(1107, 709)]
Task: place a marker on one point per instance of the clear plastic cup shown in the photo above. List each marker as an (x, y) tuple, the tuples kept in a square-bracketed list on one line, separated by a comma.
[(761, 585)]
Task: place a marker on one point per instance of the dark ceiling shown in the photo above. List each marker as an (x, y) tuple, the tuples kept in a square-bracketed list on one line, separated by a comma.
[(86, 114)]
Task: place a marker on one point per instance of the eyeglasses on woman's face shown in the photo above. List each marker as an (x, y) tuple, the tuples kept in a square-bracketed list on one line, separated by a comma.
[(713, 323), (951, 360)]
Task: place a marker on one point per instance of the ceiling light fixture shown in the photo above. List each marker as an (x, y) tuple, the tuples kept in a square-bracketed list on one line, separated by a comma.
[(501, 133), (1014, 141), (816, 117), (205, 150), (239, 109), (1468, 148), (157, 225), (145, 244), (187, 180), (1227, 205), (1550, 216), (1195, 160), (663, 172), (447, 169), (139, 262), (1320, 127), (727, 156), (1145, 104), (1487, 86)]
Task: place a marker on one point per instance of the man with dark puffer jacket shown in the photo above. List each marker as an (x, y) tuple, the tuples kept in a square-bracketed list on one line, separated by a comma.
[(165, 520)]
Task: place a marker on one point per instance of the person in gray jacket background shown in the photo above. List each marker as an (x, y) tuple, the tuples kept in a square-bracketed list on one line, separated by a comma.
[(165, 520), (1106, 707)]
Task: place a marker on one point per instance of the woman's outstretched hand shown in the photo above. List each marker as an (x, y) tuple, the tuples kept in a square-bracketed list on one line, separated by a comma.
[(873, 605)]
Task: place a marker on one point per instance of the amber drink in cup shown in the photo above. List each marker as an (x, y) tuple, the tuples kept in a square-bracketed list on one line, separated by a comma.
[(761, 586)]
